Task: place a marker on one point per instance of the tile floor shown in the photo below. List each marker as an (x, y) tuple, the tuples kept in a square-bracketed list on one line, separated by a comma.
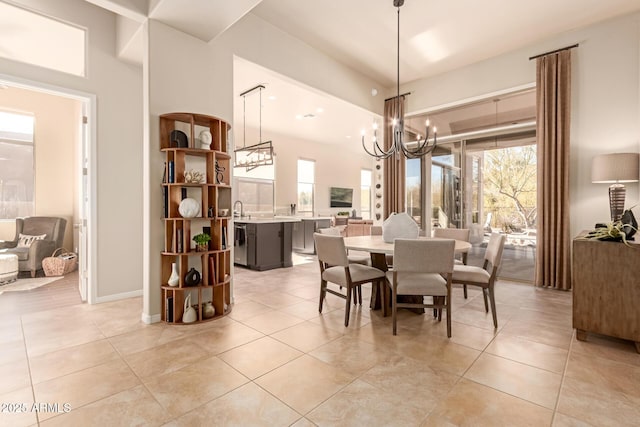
[(275, 361)]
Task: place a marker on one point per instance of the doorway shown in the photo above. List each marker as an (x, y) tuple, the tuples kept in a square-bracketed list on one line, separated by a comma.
[(81, 148)]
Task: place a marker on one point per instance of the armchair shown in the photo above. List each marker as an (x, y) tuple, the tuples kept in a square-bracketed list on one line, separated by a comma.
[(30, 257)]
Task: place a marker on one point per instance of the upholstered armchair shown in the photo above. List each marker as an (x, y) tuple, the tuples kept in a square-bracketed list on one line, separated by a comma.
[(41, 236)]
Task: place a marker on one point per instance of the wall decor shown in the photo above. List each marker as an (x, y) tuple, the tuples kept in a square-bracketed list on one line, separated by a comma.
[(179, 139), (189, 208)]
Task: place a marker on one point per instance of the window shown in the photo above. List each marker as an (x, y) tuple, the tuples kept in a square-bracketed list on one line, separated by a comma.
[(365, 194), (255, 188), (16, 165), (256, 195), (42, 41), (306, 181)]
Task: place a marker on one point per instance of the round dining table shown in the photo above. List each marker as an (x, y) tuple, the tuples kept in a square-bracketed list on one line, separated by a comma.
[(379, 249)]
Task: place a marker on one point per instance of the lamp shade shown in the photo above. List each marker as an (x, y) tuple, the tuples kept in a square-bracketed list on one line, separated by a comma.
[(616, 167)]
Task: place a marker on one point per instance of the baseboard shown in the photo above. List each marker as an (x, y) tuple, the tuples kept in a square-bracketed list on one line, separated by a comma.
[(148, 319), (116, 297)]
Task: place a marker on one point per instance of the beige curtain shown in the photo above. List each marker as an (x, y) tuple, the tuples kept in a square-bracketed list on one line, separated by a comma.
[(553, 79), (394, 166)]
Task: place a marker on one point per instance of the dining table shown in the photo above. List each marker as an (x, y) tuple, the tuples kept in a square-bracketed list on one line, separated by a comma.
[(379, 249)]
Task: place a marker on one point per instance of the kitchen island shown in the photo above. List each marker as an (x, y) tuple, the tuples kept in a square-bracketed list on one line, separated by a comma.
[(263, 243)]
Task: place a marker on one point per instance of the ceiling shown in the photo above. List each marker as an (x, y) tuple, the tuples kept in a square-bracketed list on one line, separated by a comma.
[(435, 37)]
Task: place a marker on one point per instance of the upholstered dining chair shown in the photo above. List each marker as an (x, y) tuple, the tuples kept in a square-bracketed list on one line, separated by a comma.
[(335, 268), (422, 267), (463, 234), (353, 259), (485, 276)]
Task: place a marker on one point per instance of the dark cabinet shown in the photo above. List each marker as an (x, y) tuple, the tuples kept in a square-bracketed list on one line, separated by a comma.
[(303, 234), (269, 245)]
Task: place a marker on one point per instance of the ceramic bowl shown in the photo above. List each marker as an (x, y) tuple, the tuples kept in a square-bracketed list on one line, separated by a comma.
[(223, 212)]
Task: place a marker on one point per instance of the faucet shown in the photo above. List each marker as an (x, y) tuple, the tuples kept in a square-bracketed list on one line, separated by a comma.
[(239, 214)]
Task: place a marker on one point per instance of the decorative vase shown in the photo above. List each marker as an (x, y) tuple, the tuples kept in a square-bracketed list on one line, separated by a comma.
[(174, 279), (192, 278), (208, 310), (190, 315), (189, 208)]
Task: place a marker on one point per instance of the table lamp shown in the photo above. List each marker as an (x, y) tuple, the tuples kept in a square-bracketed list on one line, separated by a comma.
[(615, 168)]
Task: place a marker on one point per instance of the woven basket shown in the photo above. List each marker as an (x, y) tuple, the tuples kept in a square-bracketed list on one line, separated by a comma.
[(59, 264)]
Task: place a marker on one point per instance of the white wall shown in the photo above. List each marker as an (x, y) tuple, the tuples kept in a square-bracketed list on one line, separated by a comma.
[(333, 167), (118, 88), (605, 101)]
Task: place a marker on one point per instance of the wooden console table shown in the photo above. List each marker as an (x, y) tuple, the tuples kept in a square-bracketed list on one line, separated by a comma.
[(606, 289)]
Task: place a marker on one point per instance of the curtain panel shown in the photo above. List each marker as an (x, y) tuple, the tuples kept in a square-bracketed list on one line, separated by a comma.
[(394, 166), (553, 99)]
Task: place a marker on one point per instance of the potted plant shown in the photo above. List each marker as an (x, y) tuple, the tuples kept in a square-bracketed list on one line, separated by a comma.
[(202, 242)]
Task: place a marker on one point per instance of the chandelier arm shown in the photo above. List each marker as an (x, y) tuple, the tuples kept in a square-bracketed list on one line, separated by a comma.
[(378, 152)]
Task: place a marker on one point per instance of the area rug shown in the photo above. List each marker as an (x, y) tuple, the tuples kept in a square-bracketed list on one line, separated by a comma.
[(27, 284)]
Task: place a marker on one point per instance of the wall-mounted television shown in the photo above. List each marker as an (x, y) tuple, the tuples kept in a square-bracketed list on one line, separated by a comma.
[(341, 197)]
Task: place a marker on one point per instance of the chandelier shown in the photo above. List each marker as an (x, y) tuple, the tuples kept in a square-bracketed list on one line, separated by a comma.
[(260, 154), (398, 147)]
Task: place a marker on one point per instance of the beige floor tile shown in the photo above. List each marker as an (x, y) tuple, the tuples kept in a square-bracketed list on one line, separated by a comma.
[(604, 373), (352, 355), (557, 337), (10, 332), (146, 338), (15, 376), (523, 381), (472, 404), (69, 360), (86, 386), (303, 422), (528, 352), (562, 420), (244, 310), (130, 407), (363, 404), (304, 383), (607, 348), (466, 335), (435, 351), (181, 391), (115, 320), (17, 407), (596, 405), (277, 300), (334, 318), (306, 336), (248, 405), (217, 340), (411, 381), (271, 322), (304, 310), (12, 351), (52, 336), (260, 356), (166, 358)]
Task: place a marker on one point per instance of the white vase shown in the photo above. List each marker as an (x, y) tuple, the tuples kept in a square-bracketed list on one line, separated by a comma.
[(174, 279)]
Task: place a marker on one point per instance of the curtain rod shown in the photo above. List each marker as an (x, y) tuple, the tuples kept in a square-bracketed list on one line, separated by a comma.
[(554, 51), (402, 94)]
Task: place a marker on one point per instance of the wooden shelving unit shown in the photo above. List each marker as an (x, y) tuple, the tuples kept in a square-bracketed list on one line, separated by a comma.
[(214, 194)]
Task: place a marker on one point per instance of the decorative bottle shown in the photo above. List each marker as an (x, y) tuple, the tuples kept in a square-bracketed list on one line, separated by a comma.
[(174, 279)]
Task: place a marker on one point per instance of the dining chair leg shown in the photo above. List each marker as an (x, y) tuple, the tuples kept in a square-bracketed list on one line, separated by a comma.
[(323, 293), (493, 307), (484, 295), (382, 289), (394, 308), (360, 294), (464, 291), (347, 307), (448, 315)]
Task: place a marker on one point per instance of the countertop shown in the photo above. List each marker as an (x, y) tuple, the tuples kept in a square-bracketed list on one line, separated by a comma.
[(266, 220), (305, 218)]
